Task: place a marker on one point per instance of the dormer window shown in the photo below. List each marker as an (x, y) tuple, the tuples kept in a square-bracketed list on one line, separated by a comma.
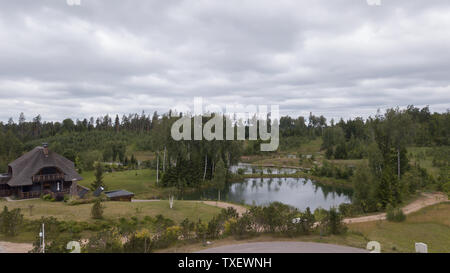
[(45, 146)]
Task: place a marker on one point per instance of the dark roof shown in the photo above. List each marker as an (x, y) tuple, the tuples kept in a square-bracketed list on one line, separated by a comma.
[(32, 162), (118, 193), (98, 191), (82, 190)]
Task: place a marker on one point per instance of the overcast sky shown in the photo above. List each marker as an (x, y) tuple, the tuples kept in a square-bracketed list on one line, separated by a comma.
[(337, 58)]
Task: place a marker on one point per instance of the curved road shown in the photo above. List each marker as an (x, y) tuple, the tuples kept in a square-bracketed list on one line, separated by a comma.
[(283, 247)]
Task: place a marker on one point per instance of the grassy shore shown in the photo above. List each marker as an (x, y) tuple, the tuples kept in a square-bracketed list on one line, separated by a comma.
[(430, 225)]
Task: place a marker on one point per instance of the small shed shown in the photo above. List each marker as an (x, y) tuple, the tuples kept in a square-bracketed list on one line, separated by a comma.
[(119, 195)]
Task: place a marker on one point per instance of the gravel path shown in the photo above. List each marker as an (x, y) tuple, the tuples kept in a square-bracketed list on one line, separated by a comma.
[(283, 247), (427, 199), (7, 247), (240, 209)]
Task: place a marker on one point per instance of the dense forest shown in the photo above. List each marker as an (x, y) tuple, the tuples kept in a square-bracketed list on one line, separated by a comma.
[(382, 140)]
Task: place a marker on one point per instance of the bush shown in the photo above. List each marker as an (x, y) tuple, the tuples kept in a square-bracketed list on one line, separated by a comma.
[(85, 201), (48, 197), (349, 210), (242, 227), (10, 221), (172, 233), (66, 198), (446, 188), (395, 214), (332, 222), (139, 242), (105, 241)]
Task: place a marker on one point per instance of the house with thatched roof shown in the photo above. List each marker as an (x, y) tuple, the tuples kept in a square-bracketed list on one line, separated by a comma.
[(38, 172)]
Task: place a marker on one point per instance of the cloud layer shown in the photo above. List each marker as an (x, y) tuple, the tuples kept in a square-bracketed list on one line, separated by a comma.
[(340, 58)]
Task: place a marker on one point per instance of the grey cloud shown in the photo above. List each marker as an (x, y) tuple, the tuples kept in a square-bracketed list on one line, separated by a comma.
[(336, 58)]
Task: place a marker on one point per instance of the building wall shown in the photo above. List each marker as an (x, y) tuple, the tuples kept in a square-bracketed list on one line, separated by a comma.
[(122, 198), (4, 190)]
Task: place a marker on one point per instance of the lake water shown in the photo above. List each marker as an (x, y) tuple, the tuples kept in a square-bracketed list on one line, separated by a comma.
[(298, 192)]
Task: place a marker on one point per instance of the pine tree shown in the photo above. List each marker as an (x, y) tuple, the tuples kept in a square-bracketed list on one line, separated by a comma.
[(384, 190), (97, 210), (133, 161), (98, 177), (78, 164)]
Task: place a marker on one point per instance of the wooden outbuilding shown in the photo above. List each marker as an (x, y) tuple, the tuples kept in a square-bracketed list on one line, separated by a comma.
[(119, 195)]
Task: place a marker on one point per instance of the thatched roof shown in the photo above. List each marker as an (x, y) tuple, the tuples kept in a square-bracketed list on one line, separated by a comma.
[(4, 178), (32, 162)]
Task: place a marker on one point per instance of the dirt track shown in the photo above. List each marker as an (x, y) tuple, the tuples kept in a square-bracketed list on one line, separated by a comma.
[(7, 247), (427, 199), (224, 205)]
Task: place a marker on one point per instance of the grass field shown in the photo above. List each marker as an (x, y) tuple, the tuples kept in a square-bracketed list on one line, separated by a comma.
[(115, 210), (430, 225), (144, 155), (425, 162), (281, 158), (141, 182)]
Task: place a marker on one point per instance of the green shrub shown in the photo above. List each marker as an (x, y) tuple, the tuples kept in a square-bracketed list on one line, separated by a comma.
[(48, 197), (66, 198), (85, 201), (395, 214), (446, 188), (349, 210), (333, 223), (10, 221)]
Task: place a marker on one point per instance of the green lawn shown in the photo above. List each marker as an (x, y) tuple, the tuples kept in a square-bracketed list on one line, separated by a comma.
[(115, 210), (141, 182), (430, 225), (143, 155), (426, 162)]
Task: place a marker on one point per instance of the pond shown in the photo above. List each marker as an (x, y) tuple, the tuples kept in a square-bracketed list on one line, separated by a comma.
[(297, 192)]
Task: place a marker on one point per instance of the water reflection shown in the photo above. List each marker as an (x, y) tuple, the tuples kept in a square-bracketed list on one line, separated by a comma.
[(246, 168), (298, 192)]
